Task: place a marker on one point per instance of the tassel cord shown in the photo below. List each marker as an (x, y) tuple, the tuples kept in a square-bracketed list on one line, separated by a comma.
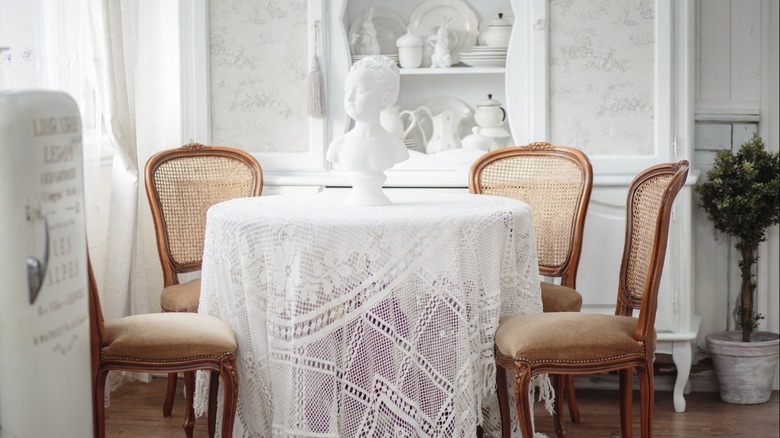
[(316, 81)]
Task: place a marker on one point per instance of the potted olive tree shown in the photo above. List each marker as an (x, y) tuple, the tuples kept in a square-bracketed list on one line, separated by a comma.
[(740, 197)]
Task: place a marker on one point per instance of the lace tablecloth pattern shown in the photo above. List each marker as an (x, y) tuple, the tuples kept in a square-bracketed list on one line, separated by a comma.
[(366, 321)]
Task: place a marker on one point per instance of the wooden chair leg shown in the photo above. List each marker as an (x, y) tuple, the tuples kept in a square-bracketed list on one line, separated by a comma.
[(189, 409), (170, 394), (100, 404), (522, 387), (571, 399), (646, 390), (213, 394), (503, 401), (559, 385), (230, 390), (626, 390)]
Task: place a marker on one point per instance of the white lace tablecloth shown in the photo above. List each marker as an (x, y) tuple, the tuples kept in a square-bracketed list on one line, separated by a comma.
[(366, 321)]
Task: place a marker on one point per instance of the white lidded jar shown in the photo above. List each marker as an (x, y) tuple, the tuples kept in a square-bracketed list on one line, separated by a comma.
[(498, 32), (477, 141), (410, 50)]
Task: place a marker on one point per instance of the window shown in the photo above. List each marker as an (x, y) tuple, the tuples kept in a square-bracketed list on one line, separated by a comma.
[(48, 46)]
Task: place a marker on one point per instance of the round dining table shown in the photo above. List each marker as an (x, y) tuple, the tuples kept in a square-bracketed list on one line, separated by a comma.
[(367, 321)]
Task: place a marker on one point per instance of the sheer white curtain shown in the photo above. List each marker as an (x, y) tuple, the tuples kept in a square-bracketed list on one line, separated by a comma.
[(136, 60), (119, 60), (49, 47)]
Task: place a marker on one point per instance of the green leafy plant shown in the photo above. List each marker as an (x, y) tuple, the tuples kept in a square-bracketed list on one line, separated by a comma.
[(740, 197)]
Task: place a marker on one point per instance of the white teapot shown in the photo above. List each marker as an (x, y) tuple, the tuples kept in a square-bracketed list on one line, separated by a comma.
[(490, 113)]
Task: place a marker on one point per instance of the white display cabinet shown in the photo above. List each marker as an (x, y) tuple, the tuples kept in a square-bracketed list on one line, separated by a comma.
[(461, 85)]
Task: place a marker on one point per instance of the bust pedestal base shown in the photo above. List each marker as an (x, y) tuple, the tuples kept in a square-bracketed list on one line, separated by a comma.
[(367, 189)]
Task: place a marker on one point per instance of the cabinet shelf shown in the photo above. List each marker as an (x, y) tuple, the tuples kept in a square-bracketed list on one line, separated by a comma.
[(457, 70)]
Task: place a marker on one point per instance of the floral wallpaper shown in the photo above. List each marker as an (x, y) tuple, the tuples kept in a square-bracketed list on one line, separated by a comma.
[(601, 75), (259, 69)]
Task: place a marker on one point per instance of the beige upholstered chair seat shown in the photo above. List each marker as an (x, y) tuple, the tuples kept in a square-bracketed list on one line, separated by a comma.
[(182, 297), (557, 298), (568, 337), (169, 336)]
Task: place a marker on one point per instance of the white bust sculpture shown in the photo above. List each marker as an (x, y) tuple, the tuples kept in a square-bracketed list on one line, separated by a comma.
[(368, 149)]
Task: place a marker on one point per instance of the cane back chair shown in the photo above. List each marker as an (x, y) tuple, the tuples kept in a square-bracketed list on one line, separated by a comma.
[(587, 343), (556, 181), (168, 343), (181, 185)]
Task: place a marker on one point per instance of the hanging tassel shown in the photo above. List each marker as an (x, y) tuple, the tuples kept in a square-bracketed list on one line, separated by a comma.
[(316, 81), (316, 90)]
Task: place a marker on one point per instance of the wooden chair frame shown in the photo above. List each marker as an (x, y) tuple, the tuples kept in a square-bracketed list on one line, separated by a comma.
[(567, 270), (171, 267), (627, 301), (224, 365)]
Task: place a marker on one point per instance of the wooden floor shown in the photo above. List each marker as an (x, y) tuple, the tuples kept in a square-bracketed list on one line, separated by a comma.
[(136, 411)]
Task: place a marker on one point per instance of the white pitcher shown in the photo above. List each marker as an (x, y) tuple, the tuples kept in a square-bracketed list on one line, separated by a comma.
[(445, 131), (392, 119)]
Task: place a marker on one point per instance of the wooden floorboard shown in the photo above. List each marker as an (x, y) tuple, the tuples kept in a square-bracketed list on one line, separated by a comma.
[(136, 412)]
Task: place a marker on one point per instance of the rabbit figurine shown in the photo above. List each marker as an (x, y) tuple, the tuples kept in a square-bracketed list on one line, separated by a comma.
[(442, 45), (369, 43)]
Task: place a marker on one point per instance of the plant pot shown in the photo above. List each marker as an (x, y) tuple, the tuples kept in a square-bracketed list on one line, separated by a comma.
[(745, 370)]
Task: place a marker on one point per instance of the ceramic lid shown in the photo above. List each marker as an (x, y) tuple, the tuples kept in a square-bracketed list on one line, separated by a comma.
[(409, 40), (500, 22), (489, 102), (476, 136), (475, 140)]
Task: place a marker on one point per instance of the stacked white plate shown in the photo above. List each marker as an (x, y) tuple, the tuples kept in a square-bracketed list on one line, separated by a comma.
[(485, 56), (393, 56)]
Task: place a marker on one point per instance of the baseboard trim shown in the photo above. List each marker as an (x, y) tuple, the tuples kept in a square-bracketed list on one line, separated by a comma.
[(704, 381)]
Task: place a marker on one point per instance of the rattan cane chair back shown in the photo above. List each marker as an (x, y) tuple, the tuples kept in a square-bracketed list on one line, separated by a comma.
[(569, 343), (645, 202), (181, 185), (556, 181)]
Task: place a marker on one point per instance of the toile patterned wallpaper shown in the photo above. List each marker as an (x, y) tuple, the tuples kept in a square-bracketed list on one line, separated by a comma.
[(259, 66), (601, 75)]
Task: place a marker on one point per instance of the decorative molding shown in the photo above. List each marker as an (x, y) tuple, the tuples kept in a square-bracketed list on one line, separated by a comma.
[(726, 117), (195, 88)]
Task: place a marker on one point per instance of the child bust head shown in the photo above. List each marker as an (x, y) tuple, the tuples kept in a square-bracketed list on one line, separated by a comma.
[(372, 85)]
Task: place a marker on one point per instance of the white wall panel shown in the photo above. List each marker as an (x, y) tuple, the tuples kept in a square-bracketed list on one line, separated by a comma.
[(729, 55), (745, 68)]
